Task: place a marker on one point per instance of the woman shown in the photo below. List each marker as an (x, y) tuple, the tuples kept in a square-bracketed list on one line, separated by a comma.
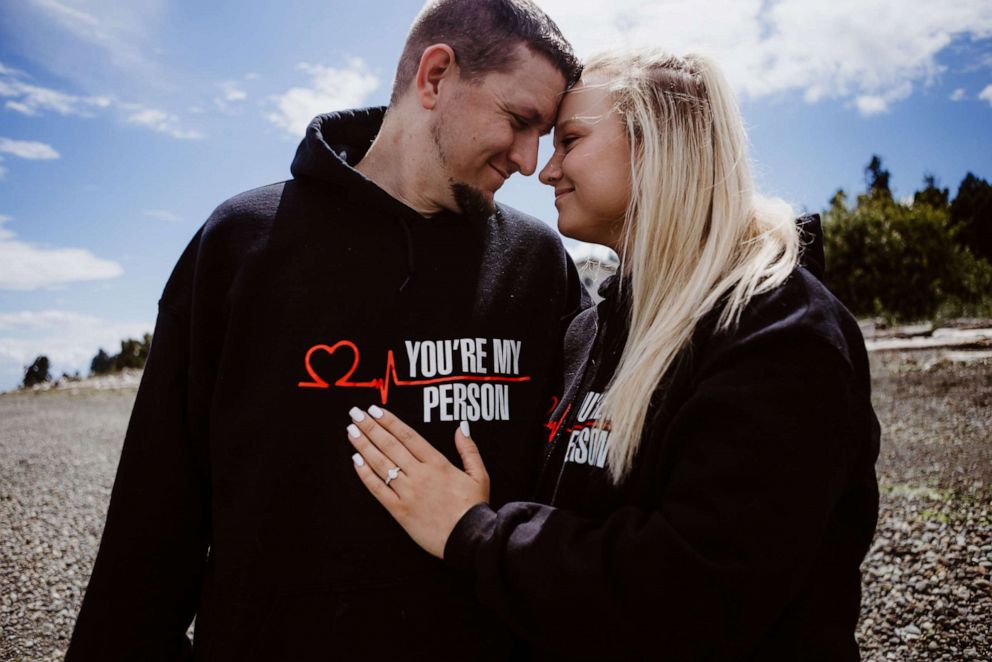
[(709, 488)]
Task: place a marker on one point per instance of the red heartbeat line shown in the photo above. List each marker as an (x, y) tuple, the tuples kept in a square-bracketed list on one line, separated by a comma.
[(553, 425), (587, 424), (390, 376)]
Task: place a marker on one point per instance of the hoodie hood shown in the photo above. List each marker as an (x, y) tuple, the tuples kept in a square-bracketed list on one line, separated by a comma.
[(812, 256), (335, 142), (333, 145)]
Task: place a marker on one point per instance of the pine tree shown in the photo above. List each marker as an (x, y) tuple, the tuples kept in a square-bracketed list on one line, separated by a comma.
[(971, 215)]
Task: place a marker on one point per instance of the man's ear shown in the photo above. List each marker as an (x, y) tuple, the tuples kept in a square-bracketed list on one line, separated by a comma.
[(437, 63)]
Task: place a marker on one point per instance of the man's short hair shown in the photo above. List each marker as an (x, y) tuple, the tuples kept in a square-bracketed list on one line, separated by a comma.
[(485, 36)]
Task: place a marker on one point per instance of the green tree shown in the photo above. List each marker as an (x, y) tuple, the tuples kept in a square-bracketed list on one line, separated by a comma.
[(899, 261), (134, 353), (877, 179), (37, 372), (102, 363), (971, 215), (838, 203), (931, 194)]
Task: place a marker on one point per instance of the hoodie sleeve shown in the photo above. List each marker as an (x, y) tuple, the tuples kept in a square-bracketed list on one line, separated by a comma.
[(577, 298), (146, 581), (575, 301), (715, 561)]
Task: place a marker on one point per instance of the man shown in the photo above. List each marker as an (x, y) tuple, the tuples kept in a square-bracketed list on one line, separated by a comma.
[(380, 274)]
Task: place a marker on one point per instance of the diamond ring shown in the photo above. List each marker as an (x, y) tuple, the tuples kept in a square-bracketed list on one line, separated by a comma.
[(392, 475)]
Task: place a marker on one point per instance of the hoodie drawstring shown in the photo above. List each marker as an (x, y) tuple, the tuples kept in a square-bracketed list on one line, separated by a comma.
[(409, 253)]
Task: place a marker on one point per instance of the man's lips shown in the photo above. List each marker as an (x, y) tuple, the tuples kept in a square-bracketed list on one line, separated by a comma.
[(502, 174), (562, 191)]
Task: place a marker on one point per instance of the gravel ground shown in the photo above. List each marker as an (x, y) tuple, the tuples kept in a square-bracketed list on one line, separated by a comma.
[(58, 456), (927, 592)]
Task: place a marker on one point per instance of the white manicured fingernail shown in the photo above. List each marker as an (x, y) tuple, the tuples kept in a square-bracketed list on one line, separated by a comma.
[(465, 430), (356, 414), (353, 431), (358, 460), (376, 412)]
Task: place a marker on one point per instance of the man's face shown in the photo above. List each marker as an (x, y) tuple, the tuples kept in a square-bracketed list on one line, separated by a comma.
[(489, 129)]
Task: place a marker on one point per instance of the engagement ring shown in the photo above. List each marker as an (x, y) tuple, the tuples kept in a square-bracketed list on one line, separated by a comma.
[(392, 475)]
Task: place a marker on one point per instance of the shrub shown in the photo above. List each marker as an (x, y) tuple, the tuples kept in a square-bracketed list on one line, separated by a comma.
[(102, 363), (134, 353), (971, 215), (901, 261), (37, 372)]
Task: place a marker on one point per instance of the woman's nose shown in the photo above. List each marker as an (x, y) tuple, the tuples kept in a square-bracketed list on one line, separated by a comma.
[(551, 172)]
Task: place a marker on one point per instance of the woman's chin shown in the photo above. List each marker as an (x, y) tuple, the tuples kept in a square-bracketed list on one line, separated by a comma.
[(580, 232)]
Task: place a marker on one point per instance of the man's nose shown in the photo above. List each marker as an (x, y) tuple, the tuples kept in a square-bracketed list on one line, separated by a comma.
[(523, 152)]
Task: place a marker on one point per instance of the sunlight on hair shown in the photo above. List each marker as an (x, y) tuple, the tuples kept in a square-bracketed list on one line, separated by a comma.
[(696, 235)]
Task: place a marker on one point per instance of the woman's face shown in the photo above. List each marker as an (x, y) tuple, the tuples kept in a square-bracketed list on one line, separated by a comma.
[(590, 169)]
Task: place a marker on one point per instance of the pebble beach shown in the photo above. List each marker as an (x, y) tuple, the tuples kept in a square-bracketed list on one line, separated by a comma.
[(926, 580)]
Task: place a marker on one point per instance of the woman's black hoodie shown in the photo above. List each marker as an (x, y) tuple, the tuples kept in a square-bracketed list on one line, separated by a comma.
[(739, 532)]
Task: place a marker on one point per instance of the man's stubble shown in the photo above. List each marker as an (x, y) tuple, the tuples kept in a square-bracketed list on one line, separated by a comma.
[(471, 202)]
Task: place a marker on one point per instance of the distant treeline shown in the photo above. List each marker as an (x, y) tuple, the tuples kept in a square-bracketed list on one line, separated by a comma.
[(133, 354), (925, 258)]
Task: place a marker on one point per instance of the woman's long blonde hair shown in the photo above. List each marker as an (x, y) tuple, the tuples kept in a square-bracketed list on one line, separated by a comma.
[(695, 235)]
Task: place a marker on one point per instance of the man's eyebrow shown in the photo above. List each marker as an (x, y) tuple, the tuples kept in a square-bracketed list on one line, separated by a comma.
[(534, 118)]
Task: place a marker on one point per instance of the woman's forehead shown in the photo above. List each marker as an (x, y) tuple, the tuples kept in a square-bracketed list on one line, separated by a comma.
[(586, 101)]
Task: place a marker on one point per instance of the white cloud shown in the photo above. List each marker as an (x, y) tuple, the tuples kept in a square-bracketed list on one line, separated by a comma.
[(160, 121), (3, 173), (958, 94), (31, 100), (231, 94), (37, 319), (870, 104), (330, 89), (986, 94), (25, 266), (163, 215), (28, 149), (876, 104), (864, 52), (122, 30), (19, 107), (74, 19), (70, 340)]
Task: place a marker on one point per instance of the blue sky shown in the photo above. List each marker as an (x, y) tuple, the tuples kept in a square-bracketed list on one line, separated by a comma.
[(123, 124)]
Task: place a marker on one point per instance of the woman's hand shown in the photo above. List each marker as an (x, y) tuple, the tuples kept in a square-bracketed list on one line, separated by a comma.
[(428, 495)]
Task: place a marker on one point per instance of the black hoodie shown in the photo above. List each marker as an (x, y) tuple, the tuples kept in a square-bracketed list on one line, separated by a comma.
[(739, 531), (293, 303)]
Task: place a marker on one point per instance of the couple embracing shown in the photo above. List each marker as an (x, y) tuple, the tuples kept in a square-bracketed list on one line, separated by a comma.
[(381, 420)]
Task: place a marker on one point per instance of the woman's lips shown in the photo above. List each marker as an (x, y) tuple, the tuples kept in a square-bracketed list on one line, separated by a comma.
[(561, 193)]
